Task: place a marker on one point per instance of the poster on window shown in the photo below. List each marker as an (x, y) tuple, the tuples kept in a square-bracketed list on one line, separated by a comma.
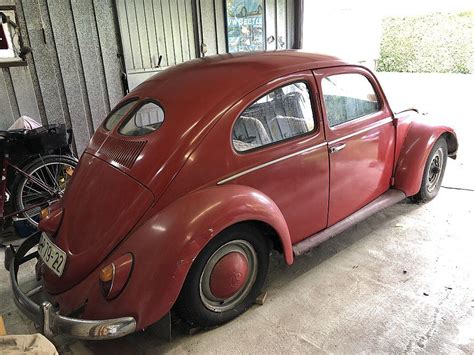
[(245, 26)]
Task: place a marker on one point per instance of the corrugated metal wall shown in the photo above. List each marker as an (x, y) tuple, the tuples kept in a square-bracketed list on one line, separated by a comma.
[(73, 75), (151, 28)]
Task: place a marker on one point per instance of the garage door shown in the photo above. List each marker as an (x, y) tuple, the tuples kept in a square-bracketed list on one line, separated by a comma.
[(180, 30)]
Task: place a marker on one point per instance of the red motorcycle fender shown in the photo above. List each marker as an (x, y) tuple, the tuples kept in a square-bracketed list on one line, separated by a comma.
[(414, 153)]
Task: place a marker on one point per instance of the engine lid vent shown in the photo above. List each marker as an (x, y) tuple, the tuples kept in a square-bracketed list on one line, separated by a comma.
[(123, 152)]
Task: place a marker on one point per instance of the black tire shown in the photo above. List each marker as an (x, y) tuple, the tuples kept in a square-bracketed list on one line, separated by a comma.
[(22, 183), (191, 304), (433, 173)]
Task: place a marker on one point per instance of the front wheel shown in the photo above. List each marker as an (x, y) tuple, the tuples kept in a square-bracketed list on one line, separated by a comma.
[(434, 172), (225, 278), (44, 182)]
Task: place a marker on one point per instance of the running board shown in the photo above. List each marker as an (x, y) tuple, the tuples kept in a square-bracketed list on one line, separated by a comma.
[(388, 199)]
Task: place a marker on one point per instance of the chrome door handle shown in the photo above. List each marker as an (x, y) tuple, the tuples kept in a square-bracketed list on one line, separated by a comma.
[(337, 148)]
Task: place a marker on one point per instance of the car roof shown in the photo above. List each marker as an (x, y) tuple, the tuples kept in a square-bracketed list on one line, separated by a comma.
[(209, 85)]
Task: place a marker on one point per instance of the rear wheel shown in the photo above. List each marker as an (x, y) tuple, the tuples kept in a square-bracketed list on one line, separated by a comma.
[(434, 172), (51, 174), (225, 278)]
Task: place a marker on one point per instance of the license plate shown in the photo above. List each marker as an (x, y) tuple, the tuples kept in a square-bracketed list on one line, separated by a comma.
[(51, 255)]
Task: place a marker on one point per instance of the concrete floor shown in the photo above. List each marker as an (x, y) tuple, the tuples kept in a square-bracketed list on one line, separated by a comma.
[(401, 281)]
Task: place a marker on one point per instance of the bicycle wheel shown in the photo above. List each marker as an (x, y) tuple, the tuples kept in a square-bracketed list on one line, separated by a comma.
[(43, 183)]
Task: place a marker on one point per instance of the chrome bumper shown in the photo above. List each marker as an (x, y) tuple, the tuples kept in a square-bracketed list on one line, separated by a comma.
[(47, 317)]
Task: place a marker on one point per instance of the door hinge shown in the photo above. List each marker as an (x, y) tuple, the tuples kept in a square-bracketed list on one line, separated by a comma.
[(392, 181)]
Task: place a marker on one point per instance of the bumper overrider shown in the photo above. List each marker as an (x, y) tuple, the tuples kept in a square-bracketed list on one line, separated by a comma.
[(47, 317)]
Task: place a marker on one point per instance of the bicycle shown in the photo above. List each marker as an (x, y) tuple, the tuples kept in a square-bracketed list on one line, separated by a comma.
[(36, 167)]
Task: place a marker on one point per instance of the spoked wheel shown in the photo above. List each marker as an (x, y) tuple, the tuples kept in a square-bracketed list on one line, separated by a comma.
[(45, 182), (434, 172), (225, 278)]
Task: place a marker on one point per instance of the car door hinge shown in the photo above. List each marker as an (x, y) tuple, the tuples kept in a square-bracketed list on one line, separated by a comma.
[(392, 181)]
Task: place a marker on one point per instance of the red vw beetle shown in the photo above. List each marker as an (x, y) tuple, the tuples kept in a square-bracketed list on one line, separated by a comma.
[(204, 168)]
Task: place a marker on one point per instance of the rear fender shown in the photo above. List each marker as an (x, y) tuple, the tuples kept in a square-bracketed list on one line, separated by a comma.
[(415, 149), (165, 246)]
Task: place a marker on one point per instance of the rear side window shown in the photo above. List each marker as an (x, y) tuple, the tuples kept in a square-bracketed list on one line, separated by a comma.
[(347, 97), (148, 118), (282, 114), (116, 115)]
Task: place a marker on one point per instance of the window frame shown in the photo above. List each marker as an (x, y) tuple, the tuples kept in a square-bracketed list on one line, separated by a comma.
[(360, 71), (134, 110), (15, 61), (312, 101)]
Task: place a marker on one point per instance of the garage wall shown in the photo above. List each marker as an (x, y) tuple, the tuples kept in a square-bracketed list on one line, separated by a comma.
[(73, 74), (153, 28)]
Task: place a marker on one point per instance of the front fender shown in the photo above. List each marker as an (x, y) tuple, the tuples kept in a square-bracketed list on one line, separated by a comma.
[(165, 246), (415, 149)]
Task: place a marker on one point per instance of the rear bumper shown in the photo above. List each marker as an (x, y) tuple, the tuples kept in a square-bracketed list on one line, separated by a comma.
[(47, 317)]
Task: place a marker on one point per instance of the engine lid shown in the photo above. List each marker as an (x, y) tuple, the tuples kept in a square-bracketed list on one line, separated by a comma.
[(101, 206)]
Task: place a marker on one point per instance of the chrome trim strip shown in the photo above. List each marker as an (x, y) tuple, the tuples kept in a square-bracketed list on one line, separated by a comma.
[(375, 125), (271, 162)]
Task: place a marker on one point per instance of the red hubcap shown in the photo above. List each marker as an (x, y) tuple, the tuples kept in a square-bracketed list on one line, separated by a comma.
[(229, 275)]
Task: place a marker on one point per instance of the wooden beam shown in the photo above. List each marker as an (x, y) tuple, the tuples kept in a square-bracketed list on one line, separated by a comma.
[(2, 327)]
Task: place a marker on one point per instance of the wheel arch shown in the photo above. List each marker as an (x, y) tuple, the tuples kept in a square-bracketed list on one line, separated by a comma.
[(452, 142), (414, 153), (268, 231)]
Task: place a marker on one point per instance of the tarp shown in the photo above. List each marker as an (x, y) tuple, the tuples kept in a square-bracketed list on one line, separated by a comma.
[(24, 122), (35, 344)]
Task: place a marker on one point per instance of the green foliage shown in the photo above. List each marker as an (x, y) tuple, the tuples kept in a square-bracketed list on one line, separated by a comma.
[(442, 43)]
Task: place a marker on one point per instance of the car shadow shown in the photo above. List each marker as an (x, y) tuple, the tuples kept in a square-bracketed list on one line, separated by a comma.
[(279, 275)]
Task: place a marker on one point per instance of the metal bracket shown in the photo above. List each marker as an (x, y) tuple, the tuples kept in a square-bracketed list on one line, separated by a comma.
[(45, 308)]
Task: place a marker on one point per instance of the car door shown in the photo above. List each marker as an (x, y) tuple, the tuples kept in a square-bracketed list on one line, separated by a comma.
[(360, 134), (279, 133)]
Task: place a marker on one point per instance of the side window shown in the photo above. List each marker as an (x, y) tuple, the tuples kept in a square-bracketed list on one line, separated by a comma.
[(284, 113), (347, 97)]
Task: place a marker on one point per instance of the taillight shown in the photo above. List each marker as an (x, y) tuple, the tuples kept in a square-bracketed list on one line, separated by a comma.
[(44, 213), (51, 218), (114, 276)]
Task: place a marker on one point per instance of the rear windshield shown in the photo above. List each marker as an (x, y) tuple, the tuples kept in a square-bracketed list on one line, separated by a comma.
[(116, 115), (146, 119)]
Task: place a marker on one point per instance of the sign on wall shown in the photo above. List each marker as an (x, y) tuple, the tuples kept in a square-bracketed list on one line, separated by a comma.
[(245, 25)]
